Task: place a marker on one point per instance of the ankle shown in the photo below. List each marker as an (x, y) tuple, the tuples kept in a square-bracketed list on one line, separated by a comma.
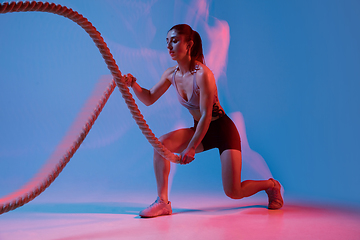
[(163, 199), (271, 183)]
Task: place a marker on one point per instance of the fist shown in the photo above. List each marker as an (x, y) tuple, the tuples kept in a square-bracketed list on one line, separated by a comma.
[(129, 80)]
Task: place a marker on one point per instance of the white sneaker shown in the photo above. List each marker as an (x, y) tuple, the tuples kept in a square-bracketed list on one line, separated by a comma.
[(275, 199), (158, 208)]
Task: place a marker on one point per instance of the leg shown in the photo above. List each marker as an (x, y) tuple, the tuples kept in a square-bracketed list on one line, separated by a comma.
[(231, 176), (176, 142)]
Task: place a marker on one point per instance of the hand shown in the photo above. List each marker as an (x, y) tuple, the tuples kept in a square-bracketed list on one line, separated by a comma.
[(187, 156), (129, 80)]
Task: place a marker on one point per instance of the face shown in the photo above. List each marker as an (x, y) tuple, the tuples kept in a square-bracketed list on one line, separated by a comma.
[(177, 46)]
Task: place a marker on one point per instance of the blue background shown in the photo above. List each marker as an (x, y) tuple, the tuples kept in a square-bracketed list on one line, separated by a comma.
[(292, 70)]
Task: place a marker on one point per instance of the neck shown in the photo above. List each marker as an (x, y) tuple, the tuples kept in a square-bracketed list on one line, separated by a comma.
[(184, 65)]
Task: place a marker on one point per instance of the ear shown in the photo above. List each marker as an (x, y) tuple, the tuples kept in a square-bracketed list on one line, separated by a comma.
[(190, 45)]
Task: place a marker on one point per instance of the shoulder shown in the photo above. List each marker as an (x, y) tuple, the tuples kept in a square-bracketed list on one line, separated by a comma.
[(204, 75), (168, 73)]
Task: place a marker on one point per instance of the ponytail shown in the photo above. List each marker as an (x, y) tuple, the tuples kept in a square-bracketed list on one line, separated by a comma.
[(196, 52)]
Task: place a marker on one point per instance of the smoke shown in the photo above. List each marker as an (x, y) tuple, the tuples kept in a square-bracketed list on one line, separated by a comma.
[(251, 160), (66, 142), (217, 36)]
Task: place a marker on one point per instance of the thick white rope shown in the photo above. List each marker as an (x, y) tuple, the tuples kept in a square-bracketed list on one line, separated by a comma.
[(12, 204)]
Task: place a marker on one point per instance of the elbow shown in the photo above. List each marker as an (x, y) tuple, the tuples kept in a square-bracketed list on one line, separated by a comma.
[(146, 100), (149, 102)]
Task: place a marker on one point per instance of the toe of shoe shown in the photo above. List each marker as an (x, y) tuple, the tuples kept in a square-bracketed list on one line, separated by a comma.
[(276, 204)]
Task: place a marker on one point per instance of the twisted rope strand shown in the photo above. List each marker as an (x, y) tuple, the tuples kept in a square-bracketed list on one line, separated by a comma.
[(118, 81)]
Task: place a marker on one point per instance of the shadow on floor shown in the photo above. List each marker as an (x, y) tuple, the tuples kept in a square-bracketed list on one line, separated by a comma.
[(117, 208), (78, 208), (216, 209)]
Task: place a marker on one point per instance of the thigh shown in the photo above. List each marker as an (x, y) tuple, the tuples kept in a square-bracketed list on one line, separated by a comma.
[(176, 141), (231, 170), (222, 134)]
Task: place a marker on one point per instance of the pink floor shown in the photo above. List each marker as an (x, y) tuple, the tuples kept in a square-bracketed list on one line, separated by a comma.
[(195, 217)]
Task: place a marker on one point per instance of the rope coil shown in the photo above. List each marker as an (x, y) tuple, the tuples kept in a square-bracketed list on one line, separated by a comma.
[(117, 81)]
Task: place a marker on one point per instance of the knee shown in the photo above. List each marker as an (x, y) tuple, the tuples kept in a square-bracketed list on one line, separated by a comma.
[(157, 156), (234, 193), (168, 143), (164, 140)]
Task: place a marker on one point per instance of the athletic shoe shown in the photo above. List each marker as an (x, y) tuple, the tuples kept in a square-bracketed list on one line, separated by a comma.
[(158, 208), (275, 199)]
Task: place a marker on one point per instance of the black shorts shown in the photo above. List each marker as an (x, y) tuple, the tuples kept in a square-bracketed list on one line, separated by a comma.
[(222, 134)]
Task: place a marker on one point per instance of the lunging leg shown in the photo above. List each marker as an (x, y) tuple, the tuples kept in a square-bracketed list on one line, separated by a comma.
[(234, 188)]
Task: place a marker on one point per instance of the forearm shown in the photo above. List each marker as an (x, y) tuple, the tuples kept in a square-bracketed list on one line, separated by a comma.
[(200, 132), (144, 95)]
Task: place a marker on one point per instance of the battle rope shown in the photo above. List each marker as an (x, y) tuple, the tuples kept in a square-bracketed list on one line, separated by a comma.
[(119, 81)]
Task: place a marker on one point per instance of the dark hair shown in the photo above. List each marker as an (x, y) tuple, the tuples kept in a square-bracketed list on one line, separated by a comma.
[(191, 35)]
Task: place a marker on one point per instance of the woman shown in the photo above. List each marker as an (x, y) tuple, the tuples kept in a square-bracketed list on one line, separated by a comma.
[(196, 88)]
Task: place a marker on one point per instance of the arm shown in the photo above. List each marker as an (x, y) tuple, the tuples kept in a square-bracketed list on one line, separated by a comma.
[(207, 85), (148, 97)]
